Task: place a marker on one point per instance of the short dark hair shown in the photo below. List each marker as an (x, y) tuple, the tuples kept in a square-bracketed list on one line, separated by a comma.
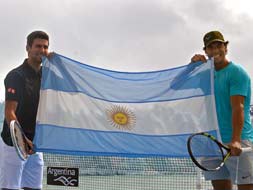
[(36, 34)]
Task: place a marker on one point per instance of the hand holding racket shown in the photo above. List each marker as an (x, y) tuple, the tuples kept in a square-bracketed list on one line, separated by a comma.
[(207, 152), (21, 143)]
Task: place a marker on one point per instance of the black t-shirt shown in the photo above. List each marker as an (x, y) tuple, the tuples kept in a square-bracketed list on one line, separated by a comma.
[(22, 84)]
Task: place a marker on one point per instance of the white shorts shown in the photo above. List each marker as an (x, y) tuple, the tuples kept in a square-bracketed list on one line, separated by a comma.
[(241, 174), (15, 173)]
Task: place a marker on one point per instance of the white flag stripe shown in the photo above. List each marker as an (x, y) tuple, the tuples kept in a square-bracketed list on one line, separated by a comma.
[(76, 110)]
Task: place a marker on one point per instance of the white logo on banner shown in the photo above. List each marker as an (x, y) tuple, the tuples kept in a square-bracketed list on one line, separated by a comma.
[(66, 181)]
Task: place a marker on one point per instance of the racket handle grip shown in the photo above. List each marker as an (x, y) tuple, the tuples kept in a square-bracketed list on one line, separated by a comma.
[(247, 149)]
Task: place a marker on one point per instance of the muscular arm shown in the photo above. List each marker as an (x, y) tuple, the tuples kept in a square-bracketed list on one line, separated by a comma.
[(237, 104), (10, 109)]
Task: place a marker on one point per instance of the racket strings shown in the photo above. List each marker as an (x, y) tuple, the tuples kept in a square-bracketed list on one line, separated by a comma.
[(207, 152), (21, 142)]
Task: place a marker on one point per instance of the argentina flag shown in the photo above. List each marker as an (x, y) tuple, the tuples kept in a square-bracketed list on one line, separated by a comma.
[(85, 110)]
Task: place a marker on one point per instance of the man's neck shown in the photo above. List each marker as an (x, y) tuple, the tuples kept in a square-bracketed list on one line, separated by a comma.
[(219, 66), (35, 65)]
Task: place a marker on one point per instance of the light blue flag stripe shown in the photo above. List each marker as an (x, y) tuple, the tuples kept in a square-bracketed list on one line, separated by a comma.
[(64, 74), (104, 143)]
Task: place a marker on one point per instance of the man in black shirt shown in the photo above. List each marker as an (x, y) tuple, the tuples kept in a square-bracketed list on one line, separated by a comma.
[(22, 88)]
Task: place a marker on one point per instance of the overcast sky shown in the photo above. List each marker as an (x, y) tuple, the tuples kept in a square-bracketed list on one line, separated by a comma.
[(125, 35)]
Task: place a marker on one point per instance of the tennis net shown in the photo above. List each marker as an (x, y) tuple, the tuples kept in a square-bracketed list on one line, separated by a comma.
[(121, 173)]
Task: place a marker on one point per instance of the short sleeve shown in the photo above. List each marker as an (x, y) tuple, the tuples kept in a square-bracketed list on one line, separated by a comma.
[(13, 86), (239, 83)]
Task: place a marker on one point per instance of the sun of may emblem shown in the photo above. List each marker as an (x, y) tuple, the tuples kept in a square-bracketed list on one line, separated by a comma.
[(121, 117)]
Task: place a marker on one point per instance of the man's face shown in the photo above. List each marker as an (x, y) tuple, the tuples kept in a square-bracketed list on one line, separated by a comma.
[(38, 49), (218, 51)]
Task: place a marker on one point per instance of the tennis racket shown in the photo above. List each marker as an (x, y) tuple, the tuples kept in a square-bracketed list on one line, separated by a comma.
[(19, 140), (207, 152)]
